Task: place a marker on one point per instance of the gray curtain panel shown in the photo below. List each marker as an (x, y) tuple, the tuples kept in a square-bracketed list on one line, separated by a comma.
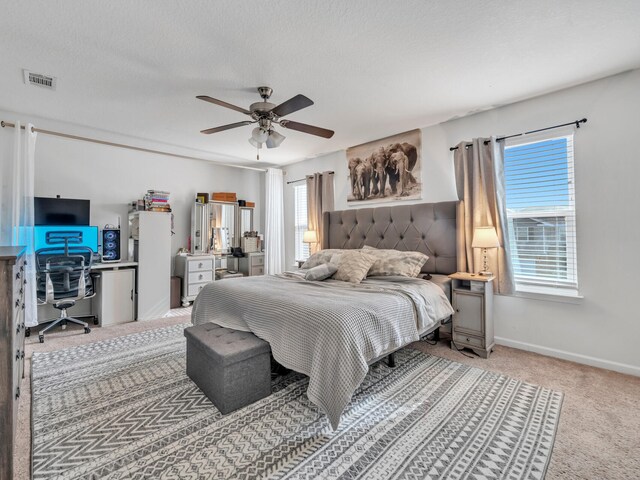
[(320, 199), (479, 171)]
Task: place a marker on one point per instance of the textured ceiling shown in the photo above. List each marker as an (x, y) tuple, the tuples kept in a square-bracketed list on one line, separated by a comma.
[(373, 68)]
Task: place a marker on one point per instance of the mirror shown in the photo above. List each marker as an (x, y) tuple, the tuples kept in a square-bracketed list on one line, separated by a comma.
[(213, 227), (246, 220)]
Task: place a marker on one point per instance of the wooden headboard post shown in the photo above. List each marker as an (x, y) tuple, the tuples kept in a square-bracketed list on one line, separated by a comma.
[(429, 228)]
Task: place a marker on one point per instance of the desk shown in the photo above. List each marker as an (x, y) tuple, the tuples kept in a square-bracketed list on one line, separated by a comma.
[(115, 299)]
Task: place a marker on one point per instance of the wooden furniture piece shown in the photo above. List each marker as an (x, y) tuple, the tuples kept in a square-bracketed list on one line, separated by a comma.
[(252, 264), (150, 246), (472, 324), (196, 271), (12, 329)]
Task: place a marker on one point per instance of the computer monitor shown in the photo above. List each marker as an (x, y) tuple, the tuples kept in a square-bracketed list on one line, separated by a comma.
[(61, 211), (53, 236)]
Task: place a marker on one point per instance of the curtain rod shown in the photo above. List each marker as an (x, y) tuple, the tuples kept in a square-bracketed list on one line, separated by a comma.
[(130, 147), (499, 139), (308, 176)]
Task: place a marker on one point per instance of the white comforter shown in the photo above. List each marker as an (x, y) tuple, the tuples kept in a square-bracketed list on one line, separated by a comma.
[(327, 330)]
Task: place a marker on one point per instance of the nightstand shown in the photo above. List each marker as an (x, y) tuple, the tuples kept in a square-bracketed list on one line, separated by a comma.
[(472, 323)]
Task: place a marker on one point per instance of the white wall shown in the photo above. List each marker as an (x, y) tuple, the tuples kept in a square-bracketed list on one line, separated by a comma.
[(112, 177), (603, 328)]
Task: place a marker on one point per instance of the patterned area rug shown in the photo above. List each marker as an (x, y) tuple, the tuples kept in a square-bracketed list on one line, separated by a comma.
[(124, 408)]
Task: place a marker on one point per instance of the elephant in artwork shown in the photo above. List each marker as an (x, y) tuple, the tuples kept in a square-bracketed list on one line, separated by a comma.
[(363, 173), (379, 162), (399, 163), (411, 154), (353, 163)]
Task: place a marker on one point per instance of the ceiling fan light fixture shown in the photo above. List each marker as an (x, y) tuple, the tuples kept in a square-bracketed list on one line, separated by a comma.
[(275, 139), (259, 134)]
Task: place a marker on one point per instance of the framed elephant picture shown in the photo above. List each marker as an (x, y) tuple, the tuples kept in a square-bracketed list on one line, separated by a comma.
[(386, 170)]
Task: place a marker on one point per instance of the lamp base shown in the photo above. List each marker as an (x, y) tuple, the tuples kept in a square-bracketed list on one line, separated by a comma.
[(485, 273)]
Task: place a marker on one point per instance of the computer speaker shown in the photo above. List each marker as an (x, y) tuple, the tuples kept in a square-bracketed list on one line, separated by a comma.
[(111, 245)]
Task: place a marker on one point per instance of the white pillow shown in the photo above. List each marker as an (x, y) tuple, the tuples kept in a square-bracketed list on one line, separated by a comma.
[(395, 262), (318, 258), (353, 266)]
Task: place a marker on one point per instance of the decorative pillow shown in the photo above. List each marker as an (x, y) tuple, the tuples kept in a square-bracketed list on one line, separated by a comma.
[(353, 266), (318, 258), (395, 262), (321, 272)]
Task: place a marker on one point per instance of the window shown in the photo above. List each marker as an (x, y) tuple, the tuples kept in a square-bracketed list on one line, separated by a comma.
[(300, 221), (541, 214)]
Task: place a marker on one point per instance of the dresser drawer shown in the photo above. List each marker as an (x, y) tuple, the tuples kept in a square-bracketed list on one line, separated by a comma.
[(201, 276), (468, 340), (198, 265), (257, 260), (257, 271), (194, 290)]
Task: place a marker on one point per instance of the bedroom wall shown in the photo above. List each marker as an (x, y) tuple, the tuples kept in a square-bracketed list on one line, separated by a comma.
[(112, 177), (603, 328)]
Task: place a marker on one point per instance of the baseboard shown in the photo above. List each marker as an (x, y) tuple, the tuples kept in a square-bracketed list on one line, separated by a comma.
[(573, 357)]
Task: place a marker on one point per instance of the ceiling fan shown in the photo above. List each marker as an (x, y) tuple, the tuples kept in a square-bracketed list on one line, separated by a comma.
[(266, 115)]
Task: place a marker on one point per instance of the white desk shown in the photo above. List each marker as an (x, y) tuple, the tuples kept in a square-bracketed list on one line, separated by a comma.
[(115, 299)]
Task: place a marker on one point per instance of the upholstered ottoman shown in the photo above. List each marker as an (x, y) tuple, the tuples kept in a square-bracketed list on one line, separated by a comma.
[(232, 368)]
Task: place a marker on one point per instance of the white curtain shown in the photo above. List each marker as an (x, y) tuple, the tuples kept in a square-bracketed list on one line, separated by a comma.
[(274, 228), (320, 199), (479, 170), (16, 204)]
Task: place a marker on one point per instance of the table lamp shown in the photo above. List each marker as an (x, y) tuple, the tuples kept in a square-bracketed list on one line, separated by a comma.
[(485, 237), (310, 236)]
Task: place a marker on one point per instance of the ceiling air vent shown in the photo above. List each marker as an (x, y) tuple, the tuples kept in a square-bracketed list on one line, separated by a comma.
[(39, 80)]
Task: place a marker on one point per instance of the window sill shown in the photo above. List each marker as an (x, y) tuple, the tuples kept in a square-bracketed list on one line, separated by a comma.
[(548, 294)]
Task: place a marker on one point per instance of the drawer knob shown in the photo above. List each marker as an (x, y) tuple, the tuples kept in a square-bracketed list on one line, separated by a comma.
[(200, 265), (18, 355), (200, 276), (17, 303), (468, 339), (17, 275), (458, 310), (17, 392)]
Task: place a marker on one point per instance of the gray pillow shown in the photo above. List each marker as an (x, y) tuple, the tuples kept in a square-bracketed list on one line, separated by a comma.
[(395, 262), (321, 272)]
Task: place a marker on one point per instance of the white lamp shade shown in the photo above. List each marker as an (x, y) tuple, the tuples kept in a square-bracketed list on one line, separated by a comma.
[(485, 237), (259, 134), (275, 139), (310, 236), (254, 143)]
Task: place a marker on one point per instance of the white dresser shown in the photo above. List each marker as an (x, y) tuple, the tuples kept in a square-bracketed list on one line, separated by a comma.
[(196, 271), (252, 264)]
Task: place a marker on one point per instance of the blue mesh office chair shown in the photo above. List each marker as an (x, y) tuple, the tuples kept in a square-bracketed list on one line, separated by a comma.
[(63, 277)]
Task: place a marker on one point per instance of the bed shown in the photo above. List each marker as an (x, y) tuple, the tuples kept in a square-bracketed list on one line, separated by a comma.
[(331, 330)]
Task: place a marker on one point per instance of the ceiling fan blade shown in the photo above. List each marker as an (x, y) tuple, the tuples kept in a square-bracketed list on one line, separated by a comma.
[(292, 105), (223, 104), (226, 127), (303, 127)]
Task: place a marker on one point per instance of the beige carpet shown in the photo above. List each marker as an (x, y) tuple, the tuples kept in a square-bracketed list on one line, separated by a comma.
[(598, 436)]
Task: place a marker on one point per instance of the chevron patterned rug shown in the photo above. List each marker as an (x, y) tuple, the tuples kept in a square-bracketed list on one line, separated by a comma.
[(124, 408)]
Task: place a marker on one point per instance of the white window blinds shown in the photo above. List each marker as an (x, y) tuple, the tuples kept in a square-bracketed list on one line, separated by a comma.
[(540, 195), (300, 221)]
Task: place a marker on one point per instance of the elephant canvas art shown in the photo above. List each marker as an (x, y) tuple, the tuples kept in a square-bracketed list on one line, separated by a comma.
[(386, 170)]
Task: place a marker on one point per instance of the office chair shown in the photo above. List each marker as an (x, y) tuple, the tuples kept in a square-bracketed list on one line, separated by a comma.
[(63, 278)]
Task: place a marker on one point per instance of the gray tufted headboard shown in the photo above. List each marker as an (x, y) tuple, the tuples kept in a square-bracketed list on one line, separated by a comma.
[(429, 228)]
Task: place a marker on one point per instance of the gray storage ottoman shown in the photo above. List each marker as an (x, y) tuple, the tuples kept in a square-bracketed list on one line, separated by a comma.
[(231, 367)]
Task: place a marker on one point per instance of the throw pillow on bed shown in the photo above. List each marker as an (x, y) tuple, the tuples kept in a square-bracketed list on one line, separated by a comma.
[(353, 265), (395, 262), (321, 272), (318, 258)]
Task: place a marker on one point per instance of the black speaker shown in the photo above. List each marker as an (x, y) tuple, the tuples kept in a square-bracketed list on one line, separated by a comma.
[(111, 245)]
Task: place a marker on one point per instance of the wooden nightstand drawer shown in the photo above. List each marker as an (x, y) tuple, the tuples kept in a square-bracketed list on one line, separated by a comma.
[(257, 271), (468, 341), (257, 260)]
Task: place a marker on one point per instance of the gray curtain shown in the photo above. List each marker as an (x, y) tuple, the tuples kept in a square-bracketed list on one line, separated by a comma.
[(320, 199), (479, 171)]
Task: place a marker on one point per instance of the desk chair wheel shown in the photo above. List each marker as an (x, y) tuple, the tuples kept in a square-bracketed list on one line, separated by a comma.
[(41, 338), (87, 330), (27, 332)]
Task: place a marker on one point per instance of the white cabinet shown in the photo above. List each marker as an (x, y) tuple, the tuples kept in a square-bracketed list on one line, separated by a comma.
[(150, 246), (196, 271), (115, 296), (252, 264), (472, 322)]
